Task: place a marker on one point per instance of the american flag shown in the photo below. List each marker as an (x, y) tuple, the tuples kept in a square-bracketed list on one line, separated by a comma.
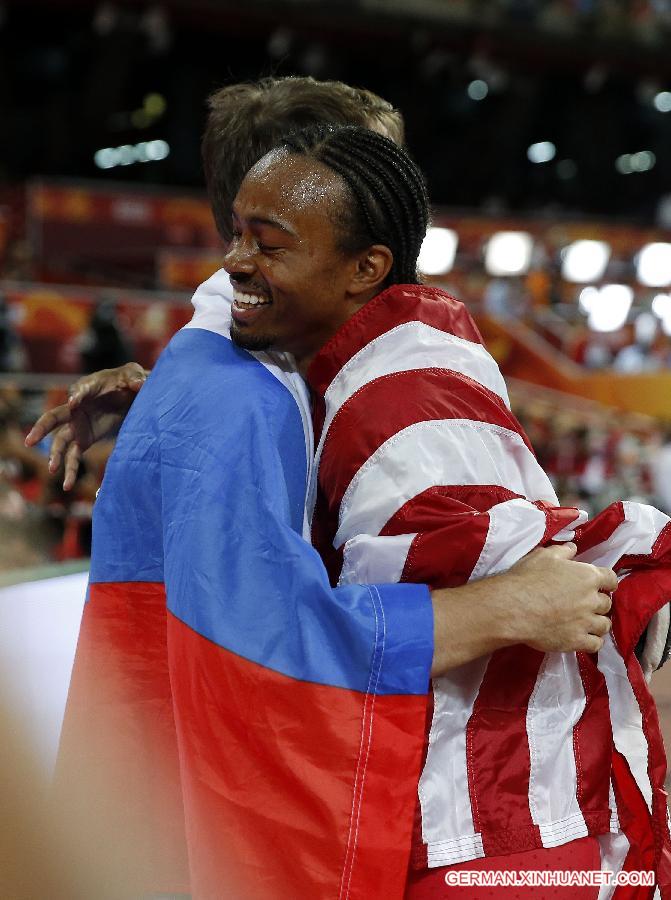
[(422, 473)]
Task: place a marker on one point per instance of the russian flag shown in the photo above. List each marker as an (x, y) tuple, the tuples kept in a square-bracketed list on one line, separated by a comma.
[(260, 733)]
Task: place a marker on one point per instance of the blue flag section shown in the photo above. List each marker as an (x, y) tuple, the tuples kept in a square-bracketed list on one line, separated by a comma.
[(264, 730)]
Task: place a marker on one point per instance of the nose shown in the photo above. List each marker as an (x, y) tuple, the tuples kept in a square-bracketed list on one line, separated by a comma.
[(239, 260)]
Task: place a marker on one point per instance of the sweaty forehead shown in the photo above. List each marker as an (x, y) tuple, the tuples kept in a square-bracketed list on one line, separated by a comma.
[(293, 184)]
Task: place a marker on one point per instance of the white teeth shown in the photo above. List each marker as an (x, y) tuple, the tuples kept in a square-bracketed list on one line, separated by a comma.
[(249, 299)]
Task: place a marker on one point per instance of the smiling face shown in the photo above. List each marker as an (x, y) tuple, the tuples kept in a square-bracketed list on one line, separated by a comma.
[(293, 285)]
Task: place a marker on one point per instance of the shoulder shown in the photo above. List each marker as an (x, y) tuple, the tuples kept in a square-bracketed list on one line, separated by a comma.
[(204, 391), (203, 364)]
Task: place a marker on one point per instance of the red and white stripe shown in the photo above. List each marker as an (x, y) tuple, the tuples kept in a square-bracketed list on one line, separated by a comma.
[(423, 474)]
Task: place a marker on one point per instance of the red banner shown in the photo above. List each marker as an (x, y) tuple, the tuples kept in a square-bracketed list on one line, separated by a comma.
[(89, 229), (51, 321), (186, 269)]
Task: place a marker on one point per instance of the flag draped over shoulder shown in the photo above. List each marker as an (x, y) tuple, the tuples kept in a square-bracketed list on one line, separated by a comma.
[(244, 712), (422, 473)]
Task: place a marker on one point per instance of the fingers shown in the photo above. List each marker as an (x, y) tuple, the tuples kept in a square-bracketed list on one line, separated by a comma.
[(73, 456), (62, 439), (604, 605), (592, 644), (599, 626), (131, 382), (129, 377), (136, 376), (134, 384), (607, 579), (46, 424), (85, 387)]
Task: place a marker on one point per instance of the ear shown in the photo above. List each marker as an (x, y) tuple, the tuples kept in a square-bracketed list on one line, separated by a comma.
[(371, 269)]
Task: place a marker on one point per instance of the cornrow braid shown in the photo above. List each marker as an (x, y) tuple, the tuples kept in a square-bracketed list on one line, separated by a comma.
[(391, 204)]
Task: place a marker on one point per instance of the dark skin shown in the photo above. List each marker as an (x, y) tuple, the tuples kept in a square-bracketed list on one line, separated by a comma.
[(95, 411), (285, 257)]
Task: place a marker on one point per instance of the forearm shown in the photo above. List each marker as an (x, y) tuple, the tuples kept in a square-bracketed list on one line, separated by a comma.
[(469, 622)]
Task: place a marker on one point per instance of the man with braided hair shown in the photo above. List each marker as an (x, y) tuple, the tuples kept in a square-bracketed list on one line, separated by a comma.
[(290, 703), (422, 473)]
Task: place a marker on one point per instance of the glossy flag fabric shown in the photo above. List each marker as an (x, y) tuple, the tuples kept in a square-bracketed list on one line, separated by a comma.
[(261, 732), (422, 473)]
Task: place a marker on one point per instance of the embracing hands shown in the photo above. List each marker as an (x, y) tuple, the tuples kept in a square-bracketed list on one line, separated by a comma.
[(96, 408), (561, 604), (547, 600)]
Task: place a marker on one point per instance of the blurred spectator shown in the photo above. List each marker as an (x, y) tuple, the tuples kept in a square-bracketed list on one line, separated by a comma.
[(506, 298), (22, 474), (588, 348), (19, 263), (593, 458), (638, 356), (39, 522), (103, 345), (660, 465), (25, 467), (12, 357)]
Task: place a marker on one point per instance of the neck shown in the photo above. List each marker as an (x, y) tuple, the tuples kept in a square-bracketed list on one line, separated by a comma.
[(305, 357)]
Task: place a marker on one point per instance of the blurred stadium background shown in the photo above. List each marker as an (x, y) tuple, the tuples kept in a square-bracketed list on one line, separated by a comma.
[(544, 130)]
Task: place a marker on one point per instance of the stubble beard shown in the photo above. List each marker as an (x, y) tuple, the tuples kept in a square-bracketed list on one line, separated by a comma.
[(250, 341)]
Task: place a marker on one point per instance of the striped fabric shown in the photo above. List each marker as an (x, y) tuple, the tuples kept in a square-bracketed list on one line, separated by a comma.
[(422, 473)]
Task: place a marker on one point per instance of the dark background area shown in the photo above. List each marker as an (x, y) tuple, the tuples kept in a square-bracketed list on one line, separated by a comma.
[(75, 77)]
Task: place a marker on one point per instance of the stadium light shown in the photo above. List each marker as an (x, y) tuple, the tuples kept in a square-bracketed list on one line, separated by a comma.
[(478, 89), (158, 150), (642, 161), (541, 152), (127, 154), (106, 158), (587, 297), (661, 306), (585, 261), (662, 101), (438, 251), (610, 309), (623, 164), (509, 253), (653, 265)]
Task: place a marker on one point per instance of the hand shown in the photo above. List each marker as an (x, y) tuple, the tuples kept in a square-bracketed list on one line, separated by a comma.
[(95, 410), (560, 604), (546, 600)]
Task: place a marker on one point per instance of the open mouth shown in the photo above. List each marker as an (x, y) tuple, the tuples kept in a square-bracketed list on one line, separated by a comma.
[(248, 306), (244, 300)]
